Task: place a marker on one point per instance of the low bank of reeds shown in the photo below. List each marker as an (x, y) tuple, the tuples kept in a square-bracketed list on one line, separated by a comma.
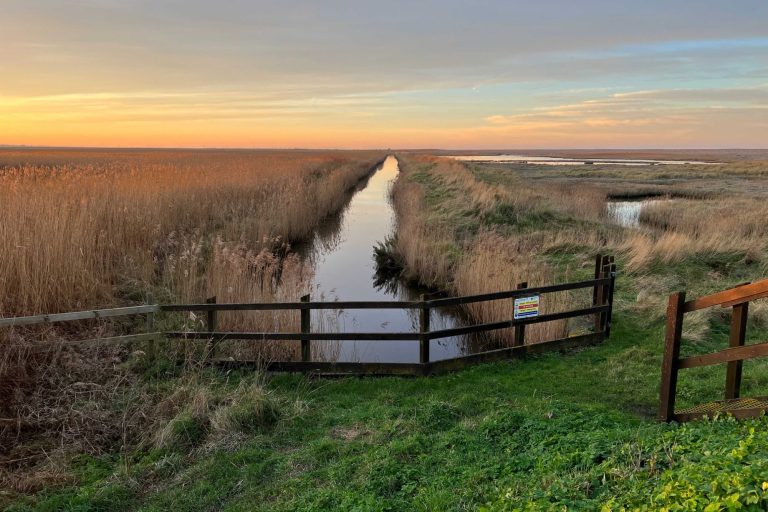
[(462, 234), (475, 228)]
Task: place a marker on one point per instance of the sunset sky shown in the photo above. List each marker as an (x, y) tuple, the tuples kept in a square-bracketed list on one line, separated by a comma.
[(449, 74)]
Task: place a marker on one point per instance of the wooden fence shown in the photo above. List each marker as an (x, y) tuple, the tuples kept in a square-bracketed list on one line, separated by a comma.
[(602, 286), (738, 299)]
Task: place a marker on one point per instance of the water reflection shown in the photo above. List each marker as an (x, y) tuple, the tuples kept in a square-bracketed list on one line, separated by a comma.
[(344, 270), (553, 160), (627, 213)]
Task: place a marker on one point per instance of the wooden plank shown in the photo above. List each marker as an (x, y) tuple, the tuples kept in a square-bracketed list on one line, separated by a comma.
[(306, 320), (519, 338), (338, 368), (505, 324), (276, 306), (468, 299), (273, 336), (739, 414), (113, 340), (736, 339), (78, 315), (424, 321), (669, 366), (730, 297), (458, 363), (611, 287), (726, 355)]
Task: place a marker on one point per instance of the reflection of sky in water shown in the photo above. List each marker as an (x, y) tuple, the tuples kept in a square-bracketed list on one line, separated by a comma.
[(345, 270), (627, 213), (553, 160)]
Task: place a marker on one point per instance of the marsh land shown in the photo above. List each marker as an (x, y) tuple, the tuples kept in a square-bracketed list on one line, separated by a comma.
[(109, 430)]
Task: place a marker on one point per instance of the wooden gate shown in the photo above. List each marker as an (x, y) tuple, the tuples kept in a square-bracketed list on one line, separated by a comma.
[(738, 299)]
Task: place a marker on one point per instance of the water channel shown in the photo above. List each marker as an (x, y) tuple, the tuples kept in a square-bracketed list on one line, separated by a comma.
[(344, 270)]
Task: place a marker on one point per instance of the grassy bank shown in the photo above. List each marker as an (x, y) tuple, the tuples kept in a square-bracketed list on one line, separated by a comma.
[(554, 432)]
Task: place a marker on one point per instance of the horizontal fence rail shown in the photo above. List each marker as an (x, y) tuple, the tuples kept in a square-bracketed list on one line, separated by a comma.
[(737, 298), (79, 315), (602, 300)]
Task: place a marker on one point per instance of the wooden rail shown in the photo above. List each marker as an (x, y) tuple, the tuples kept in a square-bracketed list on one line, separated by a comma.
[(738, 299), (602, 286)]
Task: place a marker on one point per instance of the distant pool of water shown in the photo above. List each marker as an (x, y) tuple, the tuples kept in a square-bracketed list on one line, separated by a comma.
[(552, 160), (627, 213)]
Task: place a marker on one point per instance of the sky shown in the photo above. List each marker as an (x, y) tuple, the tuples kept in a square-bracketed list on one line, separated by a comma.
[(401, 74)]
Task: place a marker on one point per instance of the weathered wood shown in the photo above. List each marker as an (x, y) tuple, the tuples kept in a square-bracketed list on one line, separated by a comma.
[(78, 315), (211, 325), (424, 339), (609, 299), (519, 338), (598, 268), (306, 320), (113, 340), (737, 337), (149, 327), (276, 306), (598, 295), (491, 326), (730, 297), (739, 414), (314, 336), (330, 368), (725, 355), (669, 365), (459, 363), (540, 290)]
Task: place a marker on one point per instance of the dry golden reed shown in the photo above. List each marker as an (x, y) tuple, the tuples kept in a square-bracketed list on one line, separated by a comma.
[(439, 251), (81, 228)]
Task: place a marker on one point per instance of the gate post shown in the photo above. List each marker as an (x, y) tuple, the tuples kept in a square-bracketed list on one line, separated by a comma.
[(669, 367), (737, 336), (424, 318), (150, 328), (519, 339), (598, 292), (211, 326), (610, 271), (306, 351)]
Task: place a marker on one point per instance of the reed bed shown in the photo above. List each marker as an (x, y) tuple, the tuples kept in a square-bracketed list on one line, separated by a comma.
[(94, 229), (446, 237), (482, 227), (80, 232)]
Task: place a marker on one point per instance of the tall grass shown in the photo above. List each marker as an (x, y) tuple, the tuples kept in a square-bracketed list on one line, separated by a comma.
[(88, 229), (446, 239), (80, 228)]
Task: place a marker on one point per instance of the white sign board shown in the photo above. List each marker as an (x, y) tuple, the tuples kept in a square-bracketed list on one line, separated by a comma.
[(526, 307)]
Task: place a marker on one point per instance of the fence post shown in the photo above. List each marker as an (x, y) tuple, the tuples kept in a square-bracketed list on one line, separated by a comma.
[(611, 272), (306, 318), (519, 339), (737, 337), (597, 293), (424, 318), (150, 327), (669, 368), (211, 326)]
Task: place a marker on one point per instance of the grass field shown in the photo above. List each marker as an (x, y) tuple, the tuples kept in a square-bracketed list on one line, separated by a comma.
[(555, 432)]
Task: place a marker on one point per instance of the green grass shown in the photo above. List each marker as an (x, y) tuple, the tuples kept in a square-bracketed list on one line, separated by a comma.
[(570, 430)]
